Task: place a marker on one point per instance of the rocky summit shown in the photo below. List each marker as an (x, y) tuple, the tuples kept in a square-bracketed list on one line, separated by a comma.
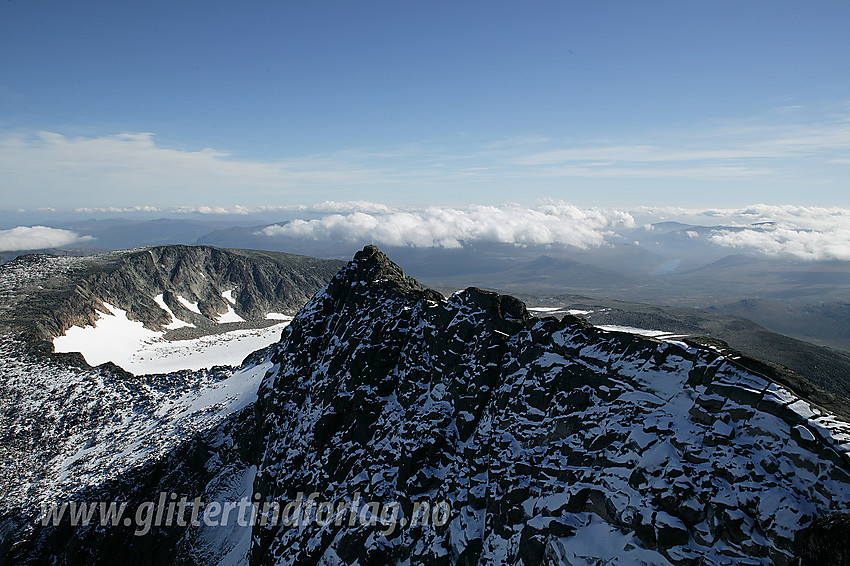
[(545, 441)]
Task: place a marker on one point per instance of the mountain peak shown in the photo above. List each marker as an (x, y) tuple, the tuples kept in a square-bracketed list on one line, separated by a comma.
[(540, 434), (372, 267), (546, 440)]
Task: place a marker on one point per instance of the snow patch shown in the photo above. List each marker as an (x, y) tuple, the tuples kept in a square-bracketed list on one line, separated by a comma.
[(113, 337), (189, 305), (228, 348), (229, 544), (175, 322), (229, 316), (534, 310), (597, 542), (659, 334), (277, 316), (128, 344), (805, 433)]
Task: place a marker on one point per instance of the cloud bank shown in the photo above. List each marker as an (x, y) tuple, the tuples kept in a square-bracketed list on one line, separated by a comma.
[(37, 237), (547, 223), (804, 232), (809, 233)]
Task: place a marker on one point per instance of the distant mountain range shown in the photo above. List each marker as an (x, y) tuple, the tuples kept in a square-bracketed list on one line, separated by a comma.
[(672, 264)]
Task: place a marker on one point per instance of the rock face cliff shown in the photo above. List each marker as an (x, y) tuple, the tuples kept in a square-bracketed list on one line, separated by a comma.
[(552, 441), (42, 296)]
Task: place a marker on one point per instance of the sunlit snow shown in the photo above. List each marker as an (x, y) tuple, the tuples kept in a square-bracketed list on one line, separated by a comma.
[(127, 343), (277, 316), (175, 322), (230, 316), (228, 348), (189, 305), (550, 310), (660, 334), (114, 337)]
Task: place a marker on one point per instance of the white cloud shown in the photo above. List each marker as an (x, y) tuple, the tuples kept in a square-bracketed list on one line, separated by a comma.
[(805, 244), (106, 171), (806, 232), (37, 237), (236, 209), (764, 160), (611, 170), (350, 206), (550, 222), (810, 233)]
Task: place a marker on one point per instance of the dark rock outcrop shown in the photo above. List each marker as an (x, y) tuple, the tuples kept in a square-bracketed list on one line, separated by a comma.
[(825, 541), (389, 390)]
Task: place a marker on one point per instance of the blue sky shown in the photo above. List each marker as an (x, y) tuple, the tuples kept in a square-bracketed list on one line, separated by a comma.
[(409, 103)]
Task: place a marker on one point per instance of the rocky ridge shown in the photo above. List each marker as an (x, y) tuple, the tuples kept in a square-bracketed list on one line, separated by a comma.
[(42, 296), (553, 442), (540, 433)]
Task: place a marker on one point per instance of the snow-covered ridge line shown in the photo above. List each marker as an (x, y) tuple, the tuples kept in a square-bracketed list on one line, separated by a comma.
[(536, 431), (731, 380), (551, 439), (830, 429)]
